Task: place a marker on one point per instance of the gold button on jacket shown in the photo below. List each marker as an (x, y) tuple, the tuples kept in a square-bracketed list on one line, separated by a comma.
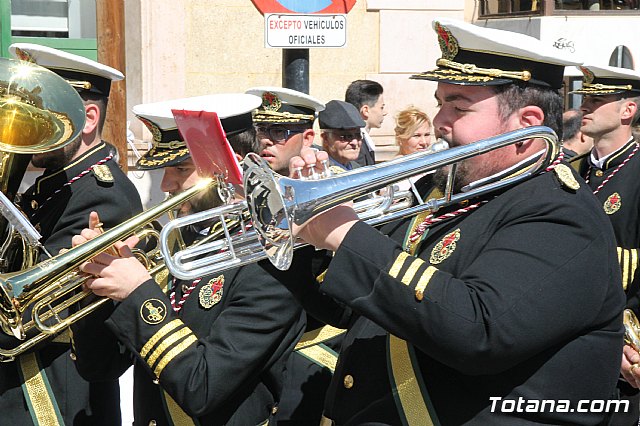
[(348, 381)]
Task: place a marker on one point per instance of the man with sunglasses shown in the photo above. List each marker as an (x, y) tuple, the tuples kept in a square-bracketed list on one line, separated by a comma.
[(341, 133), (284, 123)]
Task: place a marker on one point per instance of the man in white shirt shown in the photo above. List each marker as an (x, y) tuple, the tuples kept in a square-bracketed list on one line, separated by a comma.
[(367, 97)]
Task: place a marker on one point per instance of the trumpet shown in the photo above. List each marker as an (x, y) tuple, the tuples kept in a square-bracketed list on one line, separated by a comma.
[(47, 285), (278, 206)]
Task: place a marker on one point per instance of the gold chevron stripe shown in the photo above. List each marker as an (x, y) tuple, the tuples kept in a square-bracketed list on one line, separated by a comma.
[(177, 350), (159, 335)]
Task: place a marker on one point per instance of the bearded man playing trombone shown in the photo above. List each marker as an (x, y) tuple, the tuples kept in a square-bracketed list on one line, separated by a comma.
[(510, 298), (206, 351)]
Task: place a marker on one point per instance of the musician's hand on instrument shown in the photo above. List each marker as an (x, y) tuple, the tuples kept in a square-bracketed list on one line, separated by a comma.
[(94, 221), (88, 233), (629, 368), (327, 230), (310, 164), (116, 276)]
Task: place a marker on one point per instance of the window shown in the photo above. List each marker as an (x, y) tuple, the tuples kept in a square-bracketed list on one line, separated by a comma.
[(53, 18), (502, 7), (595, 5), (506, 8), (570, 84), (621, 57)]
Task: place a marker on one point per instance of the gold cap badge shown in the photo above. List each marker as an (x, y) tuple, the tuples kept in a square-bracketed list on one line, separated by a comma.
[(24, 55), (448, 43), (271, 102), (588, 75)]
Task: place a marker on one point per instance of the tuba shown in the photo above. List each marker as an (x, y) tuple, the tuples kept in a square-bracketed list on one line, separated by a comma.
[(39, 112)]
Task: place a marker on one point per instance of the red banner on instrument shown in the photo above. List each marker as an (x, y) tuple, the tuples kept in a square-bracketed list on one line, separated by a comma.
[(208, 145)]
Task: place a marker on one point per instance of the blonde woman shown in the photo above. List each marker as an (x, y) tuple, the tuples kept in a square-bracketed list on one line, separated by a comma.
[(413, 131)]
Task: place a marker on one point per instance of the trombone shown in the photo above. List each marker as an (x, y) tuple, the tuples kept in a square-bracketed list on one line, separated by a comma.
[(279, 206)]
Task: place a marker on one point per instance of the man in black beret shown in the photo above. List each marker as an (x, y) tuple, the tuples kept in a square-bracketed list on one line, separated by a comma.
[(340, 130)]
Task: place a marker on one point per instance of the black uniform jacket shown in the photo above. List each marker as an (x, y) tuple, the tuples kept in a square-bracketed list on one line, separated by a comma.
[(64, 215), (521, 299), (619, 197), (310, 368), (221, 357), (61, 211), (367, 156)]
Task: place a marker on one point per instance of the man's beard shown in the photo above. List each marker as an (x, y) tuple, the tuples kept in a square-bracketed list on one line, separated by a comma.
[(198, 203), (58, 158), (461, 178), (201, 202)]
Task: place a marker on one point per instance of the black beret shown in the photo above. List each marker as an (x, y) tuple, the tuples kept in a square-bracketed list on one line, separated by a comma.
[(340, 115)]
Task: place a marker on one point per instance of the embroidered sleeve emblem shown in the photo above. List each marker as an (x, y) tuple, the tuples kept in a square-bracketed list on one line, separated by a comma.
[(613, 203), (211, 293), (153, 311), (445, 247), (103, 173)]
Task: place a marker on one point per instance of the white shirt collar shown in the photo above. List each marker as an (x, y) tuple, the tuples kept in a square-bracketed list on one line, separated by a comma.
[(599, 163)]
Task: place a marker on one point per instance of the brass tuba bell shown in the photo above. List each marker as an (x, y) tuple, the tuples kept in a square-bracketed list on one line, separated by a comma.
[(39, 112)]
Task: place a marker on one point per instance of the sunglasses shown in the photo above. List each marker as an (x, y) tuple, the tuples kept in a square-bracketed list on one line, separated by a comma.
[(346, 136), (277, 134)]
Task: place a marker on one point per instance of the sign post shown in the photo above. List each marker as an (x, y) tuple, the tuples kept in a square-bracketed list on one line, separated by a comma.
[(296, 26)]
